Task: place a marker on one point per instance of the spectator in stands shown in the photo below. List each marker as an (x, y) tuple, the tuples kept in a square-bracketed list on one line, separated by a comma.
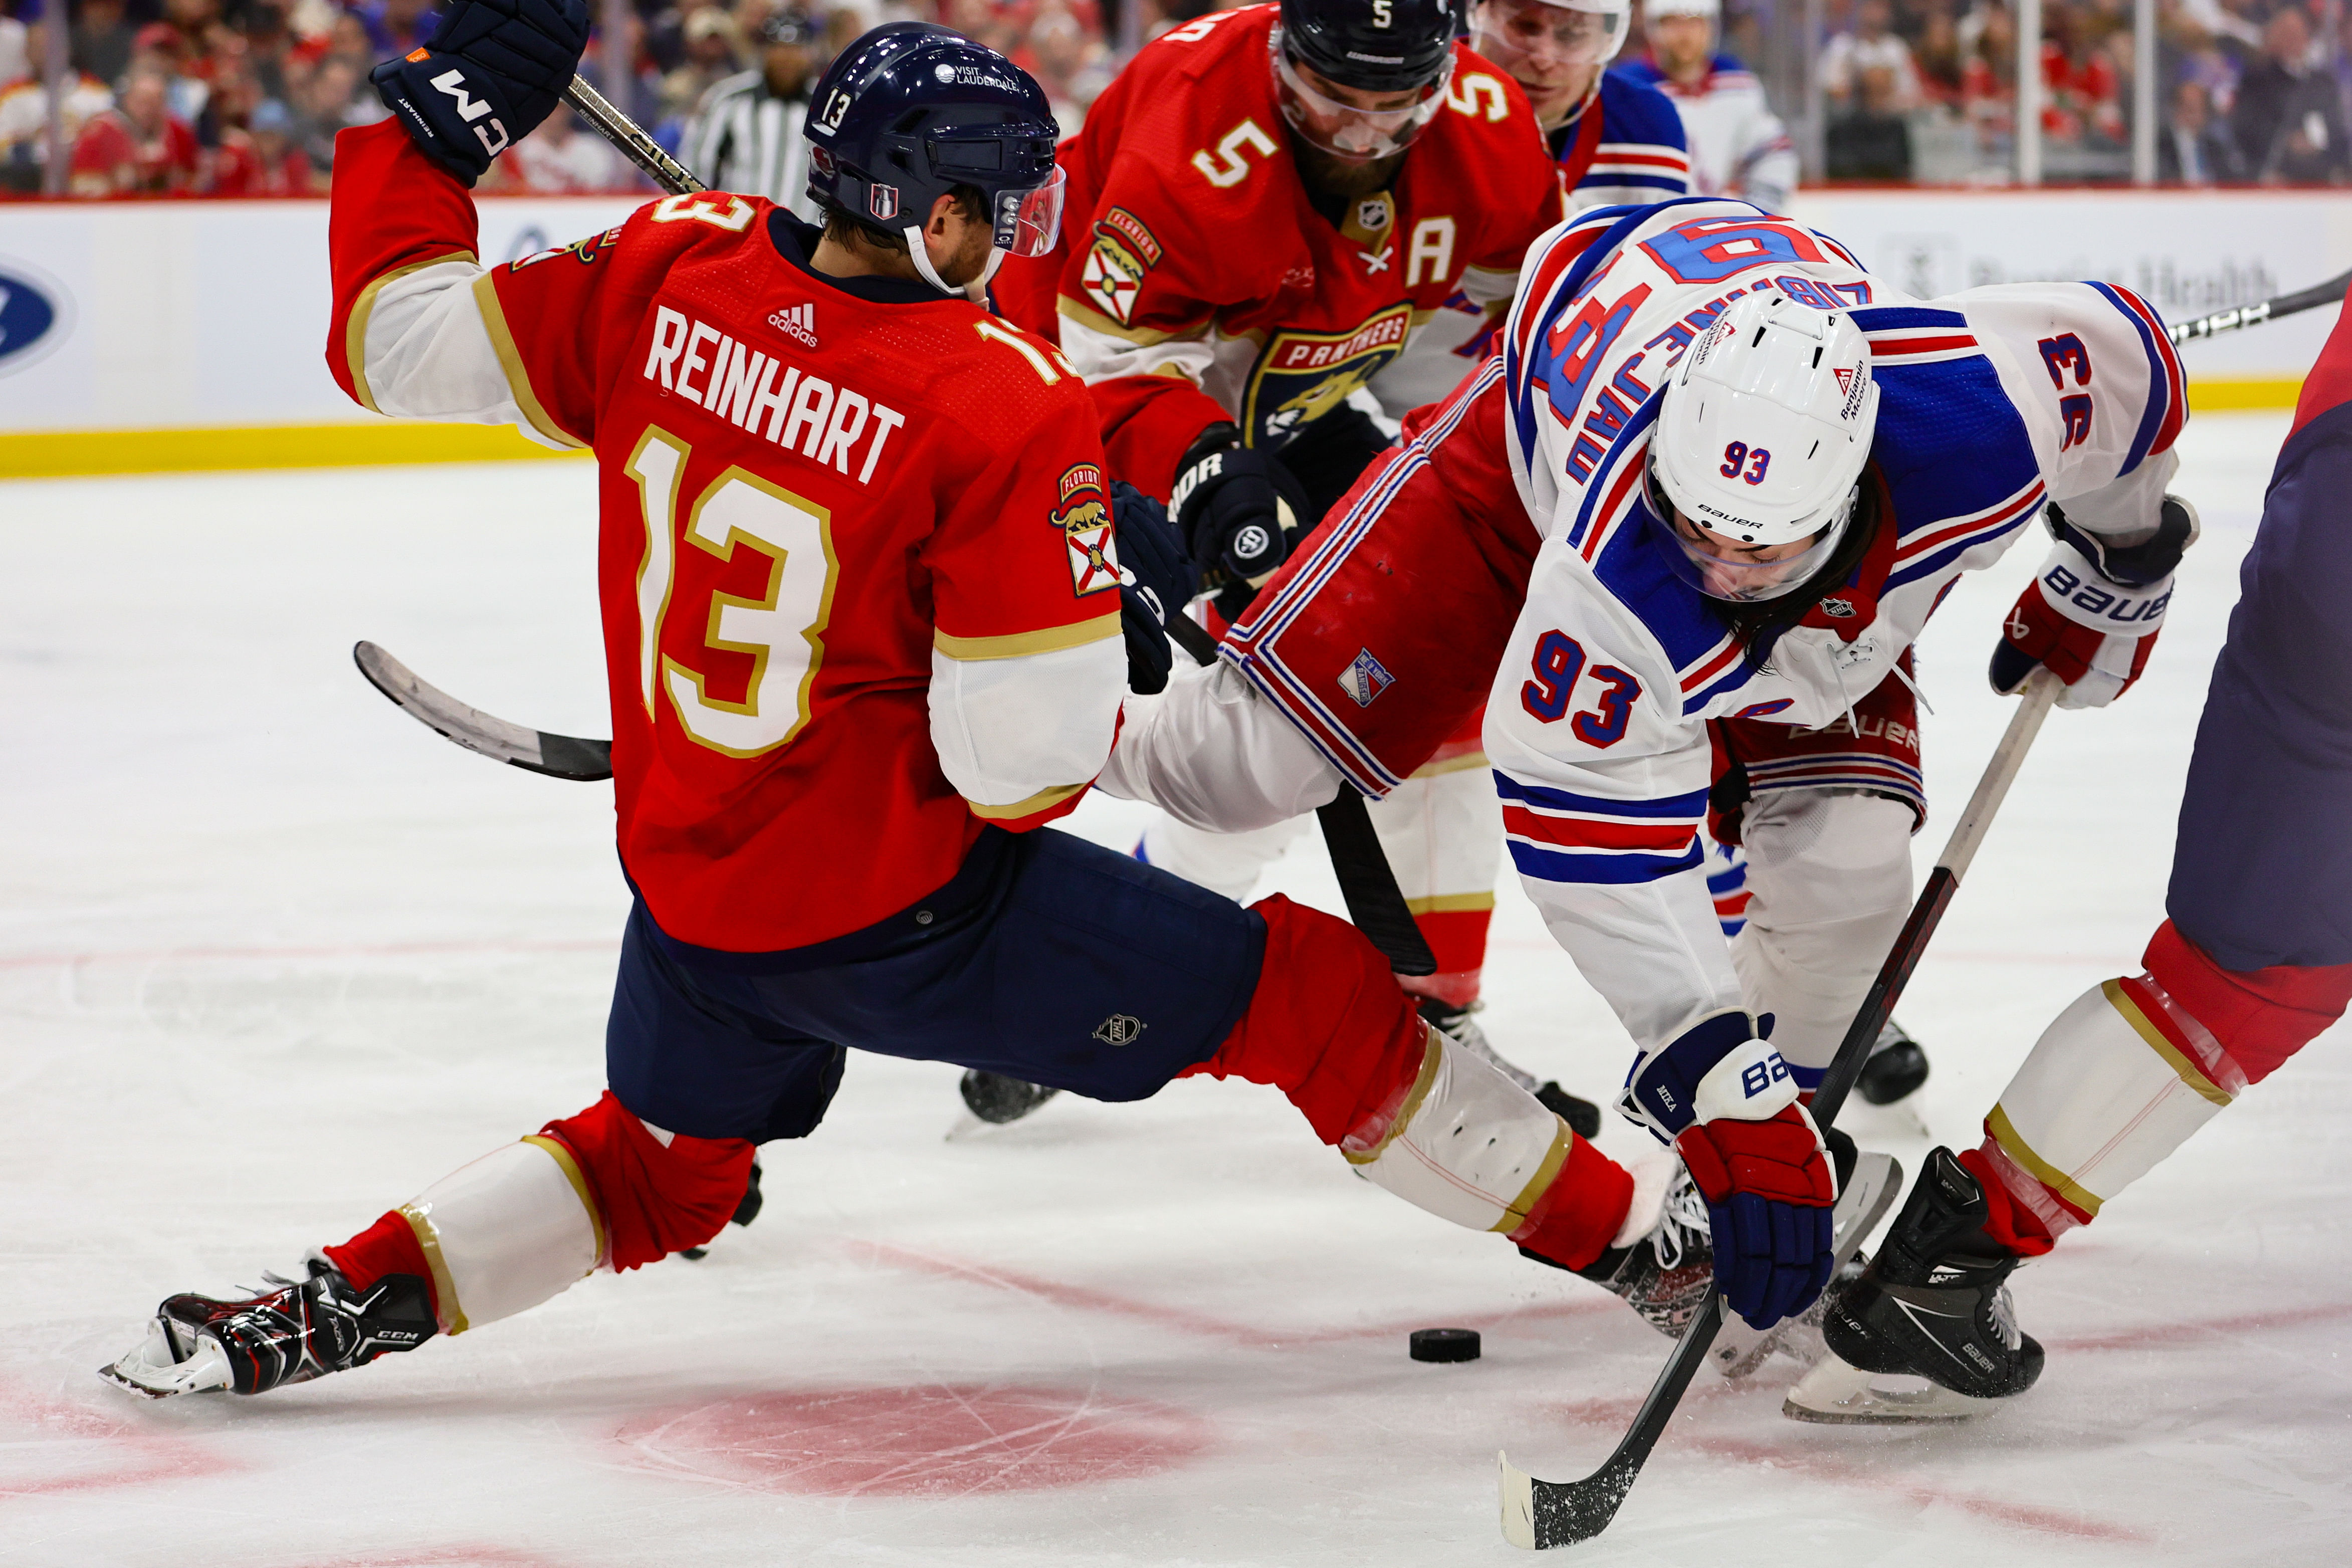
[(712, 50), (2289, 121), (1072, 68), (1871, 141), (1936, 57), (259, 158), (1871, 43), (100, 40), (139, 146), (328, 106), (2192, 147), (25, 125), (564, 157), (747, 135), (16, 47)]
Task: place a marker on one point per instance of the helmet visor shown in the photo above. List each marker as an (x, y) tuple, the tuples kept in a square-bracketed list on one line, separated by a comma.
[(1345, 130), (1535, 41), (1029, 222), (1721, 568)]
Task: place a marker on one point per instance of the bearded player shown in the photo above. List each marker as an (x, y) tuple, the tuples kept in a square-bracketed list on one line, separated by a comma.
[(1677, 540), (866, 636), (1738, 145), (2255, 960)]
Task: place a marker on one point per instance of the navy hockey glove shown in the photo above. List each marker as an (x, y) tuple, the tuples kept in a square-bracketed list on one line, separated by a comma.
[(1151, 554), (1238, 509), (1726, 1099), (494, 70), (2093, 613)]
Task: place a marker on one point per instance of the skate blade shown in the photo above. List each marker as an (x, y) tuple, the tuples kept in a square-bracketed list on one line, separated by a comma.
[(148, 1371), (1836, 1394), (1739, 1350)]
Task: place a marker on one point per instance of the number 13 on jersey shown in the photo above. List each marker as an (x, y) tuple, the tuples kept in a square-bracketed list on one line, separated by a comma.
[(781, 632)]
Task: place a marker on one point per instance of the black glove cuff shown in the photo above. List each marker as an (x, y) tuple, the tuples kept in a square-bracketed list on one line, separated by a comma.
[(2132, 565)]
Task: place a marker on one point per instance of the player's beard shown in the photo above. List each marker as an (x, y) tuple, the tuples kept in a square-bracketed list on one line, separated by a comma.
[(1332, 179)]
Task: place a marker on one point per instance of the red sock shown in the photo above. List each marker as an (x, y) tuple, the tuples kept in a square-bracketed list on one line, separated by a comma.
[(387, 1247), (2007, 1220), (1573, 1223)]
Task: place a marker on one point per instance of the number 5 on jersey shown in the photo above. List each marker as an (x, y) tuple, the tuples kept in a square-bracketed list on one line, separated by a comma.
[(781, 632)]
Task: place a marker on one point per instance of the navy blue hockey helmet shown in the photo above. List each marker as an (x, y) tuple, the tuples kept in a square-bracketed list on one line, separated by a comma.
[(912, 110), (1380, 46)]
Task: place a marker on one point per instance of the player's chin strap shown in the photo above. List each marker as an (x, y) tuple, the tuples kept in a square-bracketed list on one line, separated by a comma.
[(922, 258)]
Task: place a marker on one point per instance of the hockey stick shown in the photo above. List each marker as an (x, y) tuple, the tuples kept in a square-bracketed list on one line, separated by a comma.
[(630, 138), (2311, 299), (1542, 1514), (557, 755)]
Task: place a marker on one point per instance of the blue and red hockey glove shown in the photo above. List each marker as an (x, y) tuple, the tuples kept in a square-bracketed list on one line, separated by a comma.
[(2093, 613), (1723, 1097), (494, 69)]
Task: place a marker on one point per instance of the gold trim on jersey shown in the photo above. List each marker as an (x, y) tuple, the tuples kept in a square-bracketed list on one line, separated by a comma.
[(572, 1174), (1019, 644), (494, 319), (1432, 1056), (1094, 321), (445, 1292), (1461, 764), (1451, 904), (2005, 1134), (1563, 1144), (1042, 801), (2191, 1074), (355, 328)]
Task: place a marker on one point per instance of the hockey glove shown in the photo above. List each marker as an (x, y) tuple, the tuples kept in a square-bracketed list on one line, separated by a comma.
[(1157, 580), (1238, 509), (1724, 1098), (494, 70), (2093, 613)]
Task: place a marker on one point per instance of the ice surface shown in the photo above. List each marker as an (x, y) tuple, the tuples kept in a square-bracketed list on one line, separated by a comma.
[(272, 958)]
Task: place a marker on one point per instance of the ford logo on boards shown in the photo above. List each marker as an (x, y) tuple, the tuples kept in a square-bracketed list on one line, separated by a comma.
[(35, 315)]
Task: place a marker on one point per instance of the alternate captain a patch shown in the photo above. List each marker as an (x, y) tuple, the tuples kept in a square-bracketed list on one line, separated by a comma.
[(1084, 517)]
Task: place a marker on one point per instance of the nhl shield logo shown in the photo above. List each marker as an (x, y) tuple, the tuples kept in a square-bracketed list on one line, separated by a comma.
[(1840, 607), (1365, 679), (1119, 1028)]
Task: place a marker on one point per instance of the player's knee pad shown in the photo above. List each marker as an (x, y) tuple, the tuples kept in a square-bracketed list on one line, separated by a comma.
[(1326, 1024), (1829, 883), (654, 1192), (1225, 864), (2136, 1064)]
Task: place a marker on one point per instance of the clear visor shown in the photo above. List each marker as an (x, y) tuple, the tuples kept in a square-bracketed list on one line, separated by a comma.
[(1344, 130), (1533, 41), (1029, 222), (1720, 569)]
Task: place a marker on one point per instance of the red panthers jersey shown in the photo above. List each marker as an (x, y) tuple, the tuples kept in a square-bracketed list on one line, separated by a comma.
[(1196, 282), (859, 590)]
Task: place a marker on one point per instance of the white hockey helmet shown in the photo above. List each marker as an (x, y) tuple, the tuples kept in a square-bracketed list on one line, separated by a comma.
[(1761, 437), (1516, 32), (1710, 9)]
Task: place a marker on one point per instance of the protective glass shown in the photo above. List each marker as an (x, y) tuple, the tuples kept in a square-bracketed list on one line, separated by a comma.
[(1358, 135), (1529, 38), (1029, 222), (1735, 578)]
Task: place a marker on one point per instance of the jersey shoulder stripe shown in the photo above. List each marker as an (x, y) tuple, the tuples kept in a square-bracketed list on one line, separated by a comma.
[(2168, 402)]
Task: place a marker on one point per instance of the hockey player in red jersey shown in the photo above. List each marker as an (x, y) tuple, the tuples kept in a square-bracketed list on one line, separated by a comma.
[(2255, 961), (864, 607)]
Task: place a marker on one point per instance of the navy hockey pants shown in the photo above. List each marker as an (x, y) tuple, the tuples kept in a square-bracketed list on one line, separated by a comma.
[(1046, 959)]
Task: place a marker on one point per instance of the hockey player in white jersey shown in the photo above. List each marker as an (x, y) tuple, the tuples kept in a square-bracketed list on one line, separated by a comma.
[(1738, 145), (1694, 515)]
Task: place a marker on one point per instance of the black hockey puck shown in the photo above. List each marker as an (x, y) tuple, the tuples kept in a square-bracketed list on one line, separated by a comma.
[(1445, 1344)]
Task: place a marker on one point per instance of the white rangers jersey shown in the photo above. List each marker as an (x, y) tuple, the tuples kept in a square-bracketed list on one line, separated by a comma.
[(1738, 145), (1992, 403)]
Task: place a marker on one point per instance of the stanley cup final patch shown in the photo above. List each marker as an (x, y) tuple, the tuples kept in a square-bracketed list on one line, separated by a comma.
[(1084, 518), (1365, 679)]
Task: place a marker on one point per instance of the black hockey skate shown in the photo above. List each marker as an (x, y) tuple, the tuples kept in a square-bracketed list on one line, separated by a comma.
[(1934, 1306), (997, 1100), (1895, 1067), (291, 1332), (1667, 1274), (1459, 1027)]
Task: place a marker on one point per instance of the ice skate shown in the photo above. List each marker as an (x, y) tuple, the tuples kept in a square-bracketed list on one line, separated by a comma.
[(1666, 1273), (1897, 1067), (291, 1332), (1927, 1333), (1461, 1028), (1866, 1190)]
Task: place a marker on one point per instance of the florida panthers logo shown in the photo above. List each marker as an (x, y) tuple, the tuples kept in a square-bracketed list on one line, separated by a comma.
[(1085, 521)]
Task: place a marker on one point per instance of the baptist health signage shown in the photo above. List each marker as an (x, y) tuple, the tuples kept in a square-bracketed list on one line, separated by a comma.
[(209, 319)]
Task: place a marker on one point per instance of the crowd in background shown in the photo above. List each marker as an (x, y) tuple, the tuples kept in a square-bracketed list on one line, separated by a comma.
[(243, 97)]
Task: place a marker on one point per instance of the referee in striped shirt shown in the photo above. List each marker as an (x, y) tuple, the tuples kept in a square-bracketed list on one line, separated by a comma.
[(746, 134)]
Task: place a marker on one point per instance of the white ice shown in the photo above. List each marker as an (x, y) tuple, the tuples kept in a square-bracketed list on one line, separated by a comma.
[(272, 958)]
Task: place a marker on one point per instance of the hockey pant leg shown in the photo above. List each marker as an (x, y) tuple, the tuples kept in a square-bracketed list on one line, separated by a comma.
[(2125, 1075), (1225, 863), (1411, 1109), (1443, 831), (1828, 884)]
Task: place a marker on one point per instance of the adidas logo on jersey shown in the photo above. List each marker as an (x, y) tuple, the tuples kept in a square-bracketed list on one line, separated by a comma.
[(796, 321)]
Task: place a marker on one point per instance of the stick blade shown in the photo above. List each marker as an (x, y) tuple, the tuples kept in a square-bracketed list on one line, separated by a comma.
[(1518, 1489), (1539, 1515), (557, 755)]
